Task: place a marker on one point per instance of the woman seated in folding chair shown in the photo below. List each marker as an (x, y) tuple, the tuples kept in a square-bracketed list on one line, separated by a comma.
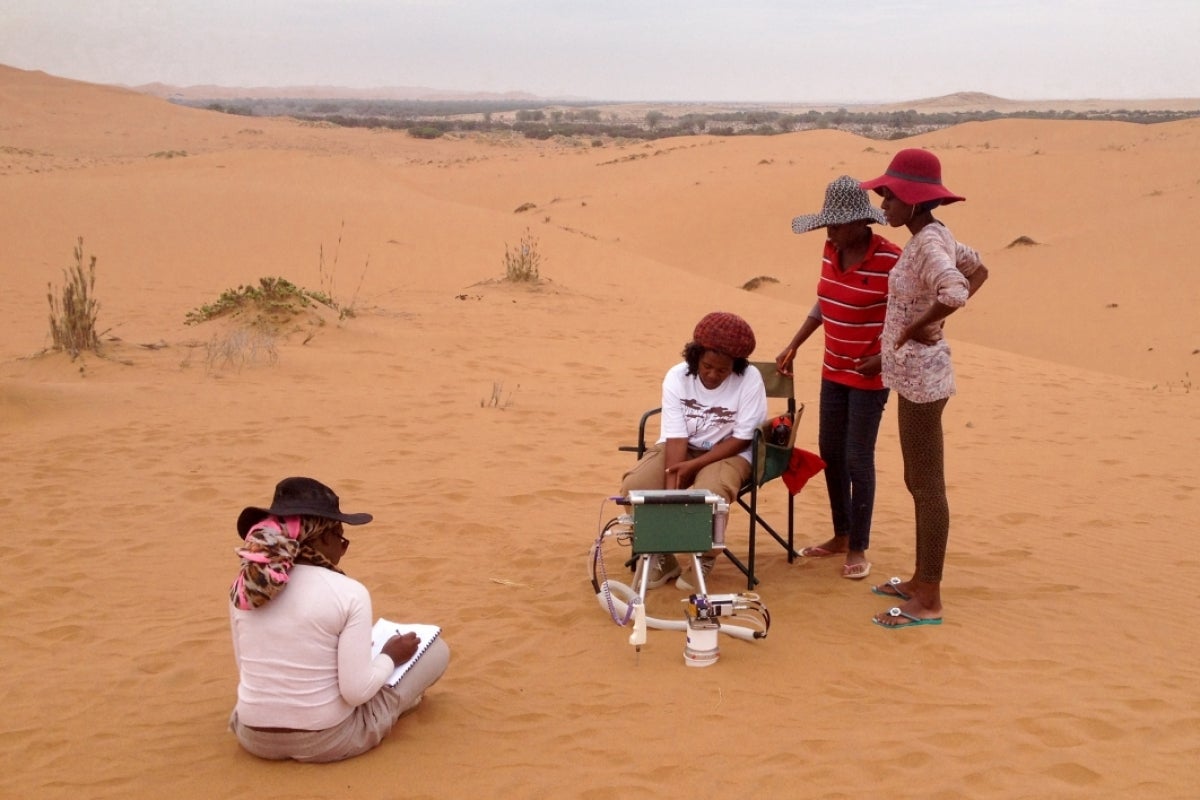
[(711, 404)]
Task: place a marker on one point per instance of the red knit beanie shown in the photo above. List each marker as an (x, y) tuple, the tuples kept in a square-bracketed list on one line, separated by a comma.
[(726, 333)]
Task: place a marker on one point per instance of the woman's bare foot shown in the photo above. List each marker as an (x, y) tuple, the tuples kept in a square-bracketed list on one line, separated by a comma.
[(924, 607), (894, 588), (856, 567), (907, 615), (833, 547)]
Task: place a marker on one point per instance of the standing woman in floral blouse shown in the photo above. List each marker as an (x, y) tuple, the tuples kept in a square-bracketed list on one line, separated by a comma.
[(929, 283)]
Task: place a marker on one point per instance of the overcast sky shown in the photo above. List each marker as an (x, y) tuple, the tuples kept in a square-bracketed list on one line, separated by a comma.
[(714, 50)]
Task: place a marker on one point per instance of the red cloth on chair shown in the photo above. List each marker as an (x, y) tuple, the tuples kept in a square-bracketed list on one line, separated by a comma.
[(802, 466)]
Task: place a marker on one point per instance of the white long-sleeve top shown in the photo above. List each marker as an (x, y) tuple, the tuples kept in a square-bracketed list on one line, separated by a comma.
[(304, 658)]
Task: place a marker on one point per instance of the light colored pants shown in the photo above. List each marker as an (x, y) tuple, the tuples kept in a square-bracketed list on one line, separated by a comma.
[(366, 726), (724, 477)]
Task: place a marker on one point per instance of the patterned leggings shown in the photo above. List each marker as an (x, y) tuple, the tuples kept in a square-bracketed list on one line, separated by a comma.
[(925, 476)]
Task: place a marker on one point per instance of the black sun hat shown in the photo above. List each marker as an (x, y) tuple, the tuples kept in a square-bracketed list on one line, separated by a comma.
[(299, 497)]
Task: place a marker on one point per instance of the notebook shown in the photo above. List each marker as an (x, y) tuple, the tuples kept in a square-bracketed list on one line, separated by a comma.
[(385, 629)]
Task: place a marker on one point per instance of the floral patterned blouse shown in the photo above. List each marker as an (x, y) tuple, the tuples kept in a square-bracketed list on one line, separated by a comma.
[(932, 267)]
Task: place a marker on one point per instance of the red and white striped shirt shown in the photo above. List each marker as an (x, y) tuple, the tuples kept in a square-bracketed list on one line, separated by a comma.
[(853, 306)]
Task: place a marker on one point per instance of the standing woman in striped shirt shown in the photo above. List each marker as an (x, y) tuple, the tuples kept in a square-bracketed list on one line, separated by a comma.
[(925, 287), (851, 304)]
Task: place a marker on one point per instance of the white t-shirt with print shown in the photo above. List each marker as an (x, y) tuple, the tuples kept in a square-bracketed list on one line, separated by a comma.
[(706, 417)]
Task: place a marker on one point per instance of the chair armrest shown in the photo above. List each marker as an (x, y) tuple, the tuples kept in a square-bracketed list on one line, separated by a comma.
[(640, 449)]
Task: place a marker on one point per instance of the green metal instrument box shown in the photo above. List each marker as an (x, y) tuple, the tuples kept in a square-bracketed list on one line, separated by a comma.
[(672, 521)]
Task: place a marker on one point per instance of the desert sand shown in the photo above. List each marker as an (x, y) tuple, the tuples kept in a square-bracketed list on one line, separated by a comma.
[(480, 420)]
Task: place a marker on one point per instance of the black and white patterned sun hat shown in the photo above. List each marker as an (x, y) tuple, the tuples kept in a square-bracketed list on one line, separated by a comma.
[(845, 201)]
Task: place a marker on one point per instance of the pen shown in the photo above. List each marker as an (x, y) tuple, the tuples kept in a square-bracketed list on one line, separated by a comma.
[(791, 351)]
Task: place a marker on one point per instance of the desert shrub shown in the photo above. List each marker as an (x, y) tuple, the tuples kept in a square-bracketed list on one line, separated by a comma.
[(754, 283), (273, 300), (73, 319), (534, 131), (522, 264), (425, 132), (238, 348)]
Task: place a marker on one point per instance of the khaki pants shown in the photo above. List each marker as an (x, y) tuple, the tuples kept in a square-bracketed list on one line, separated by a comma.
[(725, 477), (366, 726)]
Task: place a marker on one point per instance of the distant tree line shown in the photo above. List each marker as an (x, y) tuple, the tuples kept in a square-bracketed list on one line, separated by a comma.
[(535, 120)]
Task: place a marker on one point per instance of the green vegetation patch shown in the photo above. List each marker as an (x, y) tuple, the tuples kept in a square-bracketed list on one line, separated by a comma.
[(273, 302)]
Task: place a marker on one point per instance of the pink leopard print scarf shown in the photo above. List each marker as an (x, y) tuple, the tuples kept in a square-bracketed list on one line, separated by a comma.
[(271, 550)]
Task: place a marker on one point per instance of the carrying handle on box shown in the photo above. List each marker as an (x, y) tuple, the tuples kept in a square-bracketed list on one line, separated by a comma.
[(680, 498)]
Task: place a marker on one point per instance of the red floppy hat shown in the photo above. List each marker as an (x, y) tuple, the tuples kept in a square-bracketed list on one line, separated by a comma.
[(914, 177)]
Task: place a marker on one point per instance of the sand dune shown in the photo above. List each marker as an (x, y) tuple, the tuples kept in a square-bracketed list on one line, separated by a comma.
[(1067, 665)]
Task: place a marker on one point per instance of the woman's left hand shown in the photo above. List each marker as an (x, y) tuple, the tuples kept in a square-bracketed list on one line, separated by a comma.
[(927, 335), (869, 366)]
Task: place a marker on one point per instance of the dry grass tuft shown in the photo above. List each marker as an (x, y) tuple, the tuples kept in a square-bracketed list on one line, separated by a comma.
[(239, 348), (498, 400), (73, 320), (523, 264), (327, 277), (234, 349)]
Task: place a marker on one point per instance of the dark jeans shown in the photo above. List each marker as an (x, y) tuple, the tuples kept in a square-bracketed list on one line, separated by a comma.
[(849, 427)]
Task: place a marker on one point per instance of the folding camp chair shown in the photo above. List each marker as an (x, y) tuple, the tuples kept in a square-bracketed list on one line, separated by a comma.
[(768, 462)]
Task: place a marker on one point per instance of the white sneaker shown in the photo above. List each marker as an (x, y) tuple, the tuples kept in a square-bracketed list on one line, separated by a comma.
[(663, 567), (706, 566)]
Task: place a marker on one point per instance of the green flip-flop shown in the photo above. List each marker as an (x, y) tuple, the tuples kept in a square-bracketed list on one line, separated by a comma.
[(894, 583), (896, 612)]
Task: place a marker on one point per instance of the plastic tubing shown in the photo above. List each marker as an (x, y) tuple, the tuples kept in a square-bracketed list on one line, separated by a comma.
[(622, 594)]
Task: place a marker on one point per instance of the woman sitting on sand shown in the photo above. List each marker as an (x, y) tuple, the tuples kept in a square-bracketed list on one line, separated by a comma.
[(712, 402), (309, 689)]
